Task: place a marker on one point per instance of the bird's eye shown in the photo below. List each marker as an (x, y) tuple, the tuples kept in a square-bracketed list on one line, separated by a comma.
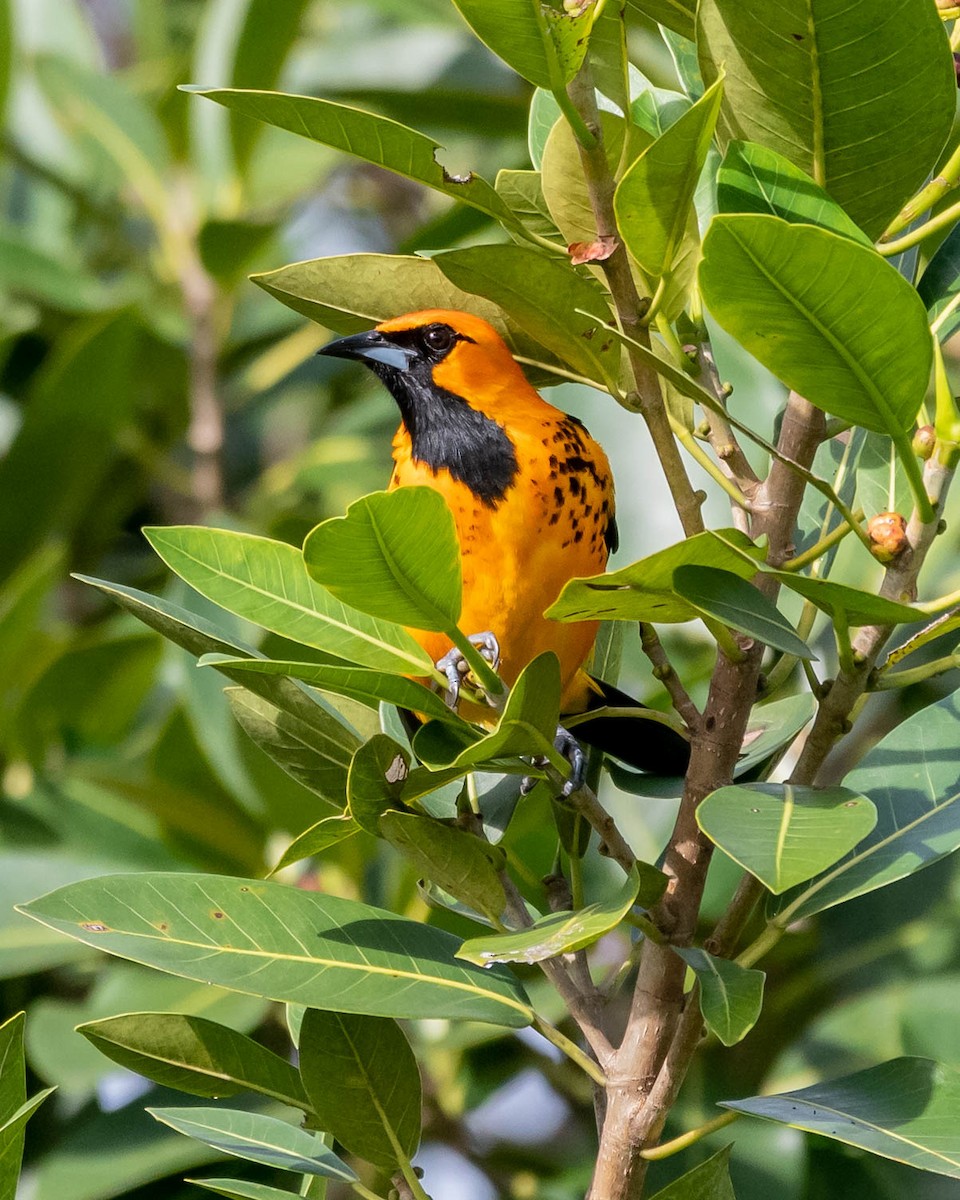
[(439, 338)]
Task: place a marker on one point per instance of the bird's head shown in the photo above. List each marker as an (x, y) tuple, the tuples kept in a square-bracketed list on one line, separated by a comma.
[(437, 348)]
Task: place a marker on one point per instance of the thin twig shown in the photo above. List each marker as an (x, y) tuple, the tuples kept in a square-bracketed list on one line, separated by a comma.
[(664, 671)]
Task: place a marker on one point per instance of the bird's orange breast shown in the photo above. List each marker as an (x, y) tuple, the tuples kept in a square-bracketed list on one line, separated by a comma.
[(550, 525)]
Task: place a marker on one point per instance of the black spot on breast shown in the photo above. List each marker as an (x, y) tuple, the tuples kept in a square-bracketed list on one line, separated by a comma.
[(558, 496)]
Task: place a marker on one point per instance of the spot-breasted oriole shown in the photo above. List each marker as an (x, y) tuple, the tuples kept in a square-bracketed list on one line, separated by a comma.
[(532, 497)]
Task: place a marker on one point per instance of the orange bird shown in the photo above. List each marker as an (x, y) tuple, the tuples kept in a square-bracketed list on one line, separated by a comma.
[(531, 494)]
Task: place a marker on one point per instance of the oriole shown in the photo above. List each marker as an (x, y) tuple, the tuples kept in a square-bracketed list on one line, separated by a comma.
[(532, 498)]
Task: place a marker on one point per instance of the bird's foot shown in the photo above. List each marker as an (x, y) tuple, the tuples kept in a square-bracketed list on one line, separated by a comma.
[(456, 668), (569, 747)]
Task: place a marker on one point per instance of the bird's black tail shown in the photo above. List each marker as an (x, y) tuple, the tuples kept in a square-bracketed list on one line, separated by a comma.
[(647, 744)]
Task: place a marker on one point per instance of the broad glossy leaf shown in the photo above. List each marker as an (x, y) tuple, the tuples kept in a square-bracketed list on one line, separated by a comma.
[(377, 775), (911, 777), (326, 833), (907, 1109), (653, 200), (859, 607), (724, 596), (527, 724), (297, 743), (756, 179), (762, 280), (364, 1084), (816, 80), (644, 590), (266, 582), (542, 294), (710, 1180), (266, 939), (678, 15), (557, 933), (459, 863), (395, 556), (195, 1055), (773, 726), (242, 1189), (731, 996), (351, 292), (375, 139), (258, 1138), (357, 683), (543, 44), (782, 833)]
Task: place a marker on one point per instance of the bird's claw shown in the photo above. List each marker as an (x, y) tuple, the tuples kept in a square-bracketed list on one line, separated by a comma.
[(455, 667), (569, 747)]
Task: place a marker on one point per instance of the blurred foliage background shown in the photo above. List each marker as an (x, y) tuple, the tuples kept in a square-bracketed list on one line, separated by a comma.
[(144, 380)]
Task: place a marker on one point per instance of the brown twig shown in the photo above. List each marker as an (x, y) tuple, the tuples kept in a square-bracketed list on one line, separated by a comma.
[(664, 671)]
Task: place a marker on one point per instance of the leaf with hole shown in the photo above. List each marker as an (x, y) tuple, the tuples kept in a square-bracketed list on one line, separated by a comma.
[(782, 833), (377, 774)]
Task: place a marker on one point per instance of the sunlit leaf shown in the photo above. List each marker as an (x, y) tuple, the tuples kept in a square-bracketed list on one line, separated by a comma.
[(731, 996)]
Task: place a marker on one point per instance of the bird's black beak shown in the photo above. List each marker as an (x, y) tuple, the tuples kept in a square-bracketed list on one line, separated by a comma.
[(372, 346)]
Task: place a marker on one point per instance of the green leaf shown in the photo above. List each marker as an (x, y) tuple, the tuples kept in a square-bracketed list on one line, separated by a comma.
[(461, 864), (544, 45), (27, 270), (785, 834), (762, 280), (772, 727), (374, 139), (678, 15), (523, 192), (755, 179), (95, 104), (907, 1109), (297, 743), (266, 582), (195, 1055), (527, 724), (377, 774), (13, 1095), (911, 777), (644, 591), (266, 939), (653, 199), (395, 556), (557, 933), (363, 1081), (241, 1189), (856, 606), (940, 282), (258, 1138), (357, 683), (542, 294), (351, 292), (328, 832), (710, 1180), (731, 996), (726, 597), (815, 80), (265, 38), (80, 400)]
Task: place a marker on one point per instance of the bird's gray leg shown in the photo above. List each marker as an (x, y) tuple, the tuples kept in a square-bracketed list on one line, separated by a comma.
[(569, 747), (455, 666)]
